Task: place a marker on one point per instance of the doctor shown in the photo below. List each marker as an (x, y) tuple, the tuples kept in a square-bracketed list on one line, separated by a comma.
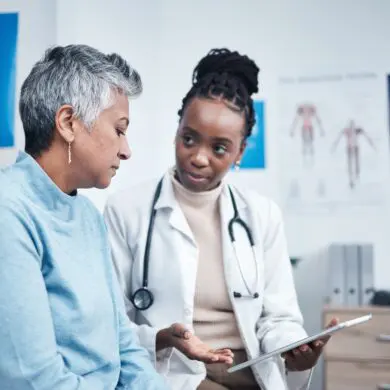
[(210, 258)]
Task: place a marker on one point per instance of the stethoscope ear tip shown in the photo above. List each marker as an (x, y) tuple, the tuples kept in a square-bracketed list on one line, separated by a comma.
[(255, 295)]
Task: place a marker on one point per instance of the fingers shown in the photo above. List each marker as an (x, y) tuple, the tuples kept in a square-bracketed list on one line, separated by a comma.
[(301, 358), (195, 349), (225, 359), (216, 357), (207, 357), (179, 330), (290, 360), (333, 322), (212, 356), (318, 344), (308, 354), (223, 352), (224, 355), (324, 340)]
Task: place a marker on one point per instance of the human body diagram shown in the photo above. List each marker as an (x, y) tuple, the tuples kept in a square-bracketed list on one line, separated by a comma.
[(352, 135), (307, 115)]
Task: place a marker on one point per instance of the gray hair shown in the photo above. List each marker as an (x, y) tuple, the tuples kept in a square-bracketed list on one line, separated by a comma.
[(78, 75)]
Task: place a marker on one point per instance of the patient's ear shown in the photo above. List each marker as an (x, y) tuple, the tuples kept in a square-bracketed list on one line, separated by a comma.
[(66, 123)]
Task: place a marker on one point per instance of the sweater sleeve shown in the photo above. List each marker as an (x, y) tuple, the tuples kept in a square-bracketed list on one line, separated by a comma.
[(29, 358)]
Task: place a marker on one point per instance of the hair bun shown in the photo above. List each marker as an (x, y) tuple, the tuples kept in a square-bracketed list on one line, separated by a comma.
[(224, 61)]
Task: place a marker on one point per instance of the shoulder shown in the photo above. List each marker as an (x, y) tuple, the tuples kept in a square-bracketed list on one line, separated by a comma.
[(10, 186), (260, 205), (87, 206), (11, 212), (13, 197), (16, 216), (90, 217), (265, 214), (133, 198)]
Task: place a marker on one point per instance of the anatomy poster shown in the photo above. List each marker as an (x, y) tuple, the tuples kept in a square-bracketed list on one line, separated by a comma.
[(8, 34), (333, 142)]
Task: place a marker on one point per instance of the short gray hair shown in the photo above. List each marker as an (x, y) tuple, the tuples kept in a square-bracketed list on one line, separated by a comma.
[(78, 75)]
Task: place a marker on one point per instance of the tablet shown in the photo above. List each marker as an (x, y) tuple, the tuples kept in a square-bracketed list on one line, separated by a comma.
[(307, 340)]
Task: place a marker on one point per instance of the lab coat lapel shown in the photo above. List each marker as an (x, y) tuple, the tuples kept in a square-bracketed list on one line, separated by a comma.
[(177, 219), (227, 213)]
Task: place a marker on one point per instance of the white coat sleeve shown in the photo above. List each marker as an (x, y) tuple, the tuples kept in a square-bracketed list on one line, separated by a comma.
[(281, 321), (122, 259)]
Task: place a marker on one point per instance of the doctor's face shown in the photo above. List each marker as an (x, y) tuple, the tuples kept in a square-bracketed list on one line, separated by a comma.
[(210, 139)]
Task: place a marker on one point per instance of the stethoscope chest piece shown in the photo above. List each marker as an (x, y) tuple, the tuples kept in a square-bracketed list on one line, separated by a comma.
[(142, 298)]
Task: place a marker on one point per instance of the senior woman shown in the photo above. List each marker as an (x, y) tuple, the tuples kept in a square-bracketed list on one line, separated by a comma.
[(62, 320)]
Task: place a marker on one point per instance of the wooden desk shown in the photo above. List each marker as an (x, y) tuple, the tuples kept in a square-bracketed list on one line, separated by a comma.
[(358, 358)]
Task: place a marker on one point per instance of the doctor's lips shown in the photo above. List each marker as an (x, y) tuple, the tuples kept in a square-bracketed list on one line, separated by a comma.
[(196, 177)]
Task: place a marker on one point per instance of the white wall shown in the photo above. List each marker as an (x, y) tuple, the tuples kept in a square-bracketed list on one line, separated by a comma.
[(328, 37), (133, 31), (36, 31), (164, 40)]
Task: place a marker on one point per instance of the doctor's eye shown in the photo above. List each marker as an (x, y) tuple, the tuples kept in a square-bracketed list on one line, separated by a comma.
[(188, 140), (220, 150)]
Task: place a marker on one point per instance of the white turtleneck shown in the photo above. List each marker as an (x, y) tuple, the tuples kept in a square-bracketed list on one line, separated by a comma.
[(214, 321)]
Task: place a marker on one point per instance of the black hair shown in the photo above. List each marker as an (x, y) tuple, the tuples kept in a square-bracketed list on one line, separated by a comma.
[(228, 75)]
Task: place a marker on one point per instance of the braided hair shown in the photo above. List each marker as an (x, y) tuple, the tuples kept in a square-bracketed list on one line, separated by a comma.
[(227, 75)]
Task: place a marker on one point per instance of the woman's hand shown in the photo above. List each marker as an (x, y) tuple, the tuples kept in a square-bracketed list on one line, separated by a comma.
[(177, 336), (306, 356)]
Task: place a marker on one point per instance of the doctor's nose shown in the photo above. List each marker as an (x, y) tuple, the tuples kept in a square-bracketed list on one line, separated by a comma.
[(200, 159)]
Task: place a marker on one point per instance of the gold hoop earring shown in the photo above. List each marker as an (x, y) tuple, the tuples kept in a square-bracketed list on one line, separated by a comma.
[(69, 153)]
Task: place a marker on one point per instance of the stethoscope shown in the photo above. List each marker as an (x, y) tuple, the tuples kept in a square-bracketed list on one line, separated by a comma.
[(143, 298)]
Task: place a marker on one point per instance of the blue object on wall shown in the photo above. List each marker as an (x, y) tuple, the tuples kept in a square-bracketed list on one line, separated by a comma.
[(8, 42), (254, 155), (388, 100)]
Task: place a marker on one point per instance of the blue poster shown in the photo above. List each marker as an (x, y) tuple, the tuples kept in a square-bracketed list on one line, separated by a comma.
[(388, 100), (8, 42), (254, 155)]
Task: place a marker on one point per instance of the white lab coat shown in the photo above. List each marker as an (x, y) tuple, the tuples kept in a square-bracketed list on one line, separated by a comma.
[(266, 323)]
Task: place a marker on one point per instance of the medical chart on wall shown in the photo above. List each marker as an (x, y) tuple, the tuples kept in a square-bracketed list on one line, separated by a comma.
[(8, 34), (333, 142)]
